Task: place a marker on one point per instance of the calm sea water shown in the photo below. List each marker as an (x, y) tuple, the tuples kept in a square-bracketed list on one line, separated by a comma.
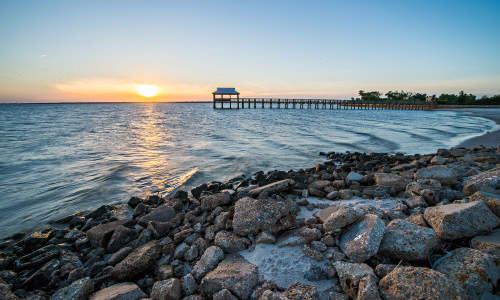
[(57, 159)]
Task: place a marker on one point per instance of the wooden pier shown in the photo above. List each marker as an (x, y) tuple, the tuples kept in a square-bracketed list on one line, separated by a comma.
[(280, 103)]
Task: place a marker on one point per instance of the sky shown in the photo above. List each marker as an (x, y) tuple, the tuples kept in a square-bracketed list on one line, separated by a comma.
[(59, 51)]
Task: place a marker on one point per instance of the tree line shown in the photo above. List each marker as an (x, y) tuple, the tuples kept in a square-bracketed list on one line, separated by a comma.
[(451, 99)]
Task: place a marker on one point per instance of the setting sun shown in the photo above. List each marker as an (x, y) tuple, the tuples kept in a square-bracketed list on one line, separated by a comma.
[(147, 90)]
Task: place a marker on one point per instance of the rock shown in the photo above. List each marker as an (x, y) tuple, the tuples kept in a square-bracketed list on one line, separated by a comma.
[(442, 174), (121, 237), (337, 217), (189, 285), (316, 192), (362, 240), (489, 244), (419, 283), (99, 235), (120, 291), (301, 291), (407, 241), (396, 182), (119, 255), (230, 242), (163, 213), (169, 289), (235, 274), (255, 215), (454, 221), (417, 219), (224, 294), (320, 184), (368, 289), (265, 238), (134, 201), (383, 269), (350, 275), (36, 240), (208, 261), (438, 160), (353, 176), (345, 194), (473, 269), (5, 293), (209, 202), (492, 200), (196, 192), (332, 195), (78, 290), (137, 262), (427, 188), (488, 181), (273, 188)]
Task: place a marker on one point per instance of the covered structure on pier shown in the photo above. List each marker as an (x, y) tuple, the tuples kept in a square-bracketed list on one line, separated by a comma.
[(222, 95)]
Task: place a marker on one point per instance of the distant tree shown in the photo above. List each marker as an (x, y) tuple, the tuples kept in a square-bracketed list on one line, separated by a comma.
[(447, 99), (464, 98), (369, 96), (419, 97)]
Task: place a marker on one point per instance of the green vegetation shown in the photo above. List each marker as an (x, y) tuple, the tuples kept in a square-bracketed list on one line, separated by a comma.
[(450, 99)]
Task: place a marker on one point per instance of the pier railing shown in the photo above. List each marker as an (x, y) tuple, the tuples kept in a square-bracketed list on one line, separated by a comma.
[(286, 103)]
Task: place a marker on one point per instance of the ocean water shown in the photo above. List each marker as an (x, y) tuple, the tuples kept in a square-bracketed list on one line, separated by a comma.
[(57, 159)]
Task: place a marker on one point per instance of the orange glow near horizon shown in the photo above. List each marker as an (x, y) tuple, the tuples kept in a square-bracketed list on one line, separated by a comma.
[(147, 90)]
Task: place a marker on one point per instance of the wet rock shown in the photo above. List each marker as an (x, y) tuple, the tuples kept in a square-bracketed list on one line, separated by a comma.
[(230, 242), (137, 262), (265, 238), (210, 202), (120, 237), (169, 289), (255, 215), (40, 279), (99, 235), (396, 182), (134, 201), (273, 188), (78, 290), (36, 240), (473, 269), (350, 275), (337, 217), (235, 274), (196, 192), (120, 291), (224, 294), (208, 261), (301, 291), (407, 241), (488, 181), (418, 283), (160, 214), (362, 240), (489, 244), (442, 174), (492, 200), (454, 221)]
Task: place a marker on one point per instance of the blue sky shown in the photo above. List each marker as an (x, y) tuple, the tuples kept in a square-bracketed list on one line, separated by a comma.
[(99, 50)]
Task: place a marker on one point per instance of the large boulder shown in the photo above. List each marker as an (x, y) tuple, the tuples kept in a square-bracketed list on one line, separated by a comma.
[(78, 290), (235, 274), (492, 200), (99, 235), (396, 182), (137, 262), (454, 221), (350, 275), (273, 188), (255, 215), (407, 241), (419, 283), (120, 238), (120, 291), (473, 269), (209, 202), (208, 261), (339, 216), (362, 240), (489, 243), (440, 173), (169, 289), (488, 181), (163, 213), (230, 242)]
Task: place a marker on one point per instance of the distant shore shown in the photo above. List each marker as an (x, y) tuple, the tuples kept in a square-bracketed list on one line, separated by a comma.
[(490, 139)]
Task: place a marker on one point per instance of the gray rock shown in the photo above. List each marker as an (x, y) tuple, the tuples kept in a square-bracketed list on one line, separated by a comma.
[(160, 214), (255, 215), (337, 217), (383, 269), (407, 241), (119, 255), (208, 261), (332, 195), (427, 188), (440, 173), (362, 240), (230, 243), (169, 289), (265, 238), (180, 250), (368, 289), (189, 285), (272, 188), (120, 237), (120, 291), (492, 200), (350, 275), (209, 202), (419, 283), (235, 274), (396, 182), (224, 294), (488, 181), (99, 235), (78, 290), (137, 262), (473, 269), (345, 194), (454, 221), (353, 176), (489, 244)]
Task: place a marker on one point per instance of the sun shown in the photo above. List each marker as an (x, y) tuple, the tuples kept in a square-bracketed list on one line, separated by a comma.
[(146, 90)]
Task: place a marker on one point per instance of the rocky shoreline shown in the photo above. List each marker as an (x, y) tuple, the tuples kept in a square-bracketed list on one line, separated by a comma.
[(378, 226)]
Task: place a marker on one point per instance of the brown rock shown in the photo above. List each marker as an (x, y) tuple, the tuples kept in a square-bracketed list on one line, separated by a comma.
[(137, 262)]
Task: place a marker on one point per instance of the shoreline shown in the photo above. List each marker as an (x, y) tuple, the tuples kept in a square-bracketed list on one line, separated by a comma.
[(490, 138)]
